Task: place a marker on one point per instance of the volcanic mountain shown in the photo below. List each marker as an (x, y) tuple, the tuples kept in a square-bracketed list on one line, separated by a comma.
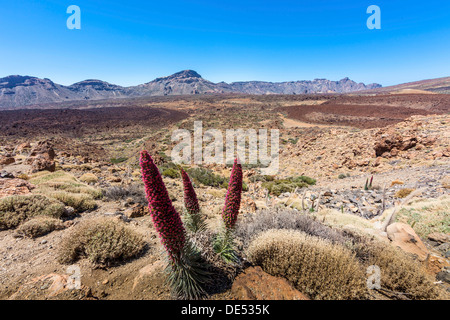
[(17, 91)]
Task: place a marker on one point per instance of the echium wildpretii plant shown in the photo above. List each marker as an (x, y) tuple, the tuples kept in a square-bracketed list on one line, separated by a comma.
[(193, 219), (224, 242), (186, 273)]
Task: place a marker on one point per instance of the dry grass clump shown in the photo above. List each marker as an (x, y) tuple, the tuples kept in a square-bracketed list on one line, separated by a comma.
[(279, 218), (338, 219), (399, 272), (89, 178), (79, 201), (45, 176), (39, 226), (134, 191), (17, 209), (316, 267), (393, 183), (64, 187), (102, 241), (62, 181), (403, 193), (427, 216)]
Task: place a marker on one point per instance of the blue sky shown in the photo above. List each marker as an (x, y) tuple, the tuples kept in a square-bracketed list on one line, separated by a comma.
[(132, 42)]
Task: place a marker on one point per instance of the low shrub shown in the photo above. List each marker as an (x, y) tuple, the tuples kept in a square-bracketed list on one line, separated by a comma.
[(403, 193), (79, 201), (207, 177), (45, 176), (23, 176), (256, 223), (171, 173), (39, 226), (118, 160), (134, 191), (262, 178), (280, 186), (316, 267), (102, 241), (60, 181), (399, 272), (393, 183), (89, 178), (427, 216), (15, 210)]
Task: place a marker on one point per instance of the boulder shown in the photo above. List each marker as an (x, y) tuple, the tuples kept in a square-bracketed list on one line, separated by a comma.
[(439, 237), (14, 187), (6, 160), (444, 275), (42, 157), (404, 237), (6, 175), (255, 284), (391, 144), (136, 210), (435, 264)]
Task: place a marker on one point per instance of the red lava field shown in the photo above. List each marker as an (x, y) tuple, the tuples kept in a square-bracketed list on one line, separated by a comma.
[(369, 111), (81, 121)]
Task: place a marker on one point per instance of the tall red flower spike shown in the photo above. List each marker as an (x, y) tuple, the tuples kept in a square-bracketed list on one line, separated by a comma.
[(190, 198), (166, 219), (233, 200)]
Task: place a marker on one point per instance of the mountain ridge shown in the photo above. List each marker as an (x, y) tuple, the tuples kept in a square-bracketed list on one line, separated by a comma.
[(17, 91)]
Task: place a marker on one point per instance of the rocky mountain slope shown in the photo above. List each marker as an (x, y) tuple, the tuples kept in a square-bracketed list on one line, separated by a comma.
[(298, 87), (16, 91), (438, 85)]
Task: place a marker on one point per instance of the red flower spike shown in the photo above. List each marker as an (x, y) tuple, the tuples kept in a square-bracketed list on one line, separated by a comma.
[(165, 218), (190, 198), (233, 200)]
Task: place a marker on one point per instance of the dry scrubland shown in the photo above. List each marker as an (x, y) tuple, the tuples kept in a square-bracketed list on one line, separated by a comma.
[(369, 185)]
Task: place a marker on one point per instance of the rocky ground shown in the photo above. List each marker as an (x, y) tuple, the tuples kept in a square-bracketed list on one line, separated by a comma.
[(362, 177)]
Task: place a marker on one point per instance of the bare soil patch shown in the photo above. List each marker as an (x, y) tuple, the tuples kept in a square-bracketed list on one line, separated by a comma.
[(360, 116), (77, 122)]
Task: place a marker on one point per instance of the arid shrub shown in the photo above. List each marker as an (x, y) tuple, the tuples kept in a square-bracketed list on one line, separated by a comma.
[(207, 178), (280, 186), (39, 226), (171, 173), (427, 216), (315, 266), (393, 183), (102, 241), (17, 209), (79, 201), (403, 193), (134, 191), (89, 178), (264, 220), (23, 176), (399, 272), (65, 188)]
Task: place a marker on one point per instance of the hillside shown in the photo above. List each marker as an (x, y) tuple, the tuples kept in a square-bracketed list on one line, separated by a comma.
[(438, 85)]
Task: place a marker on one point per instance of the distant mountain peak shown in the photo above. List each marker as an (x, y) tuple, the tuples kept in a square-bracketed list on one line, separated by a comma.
[(185, 74), (13, 81)]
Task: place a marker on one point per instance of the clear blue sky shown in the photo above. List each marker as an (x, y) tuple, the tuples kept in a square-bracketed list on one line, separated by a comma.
[(132, 42)]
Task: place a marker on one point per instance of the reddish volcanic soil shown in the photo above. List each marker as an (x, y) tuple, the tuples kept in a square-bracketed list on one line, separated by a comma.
[(369, 111), (352, 115), (26, 123)]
